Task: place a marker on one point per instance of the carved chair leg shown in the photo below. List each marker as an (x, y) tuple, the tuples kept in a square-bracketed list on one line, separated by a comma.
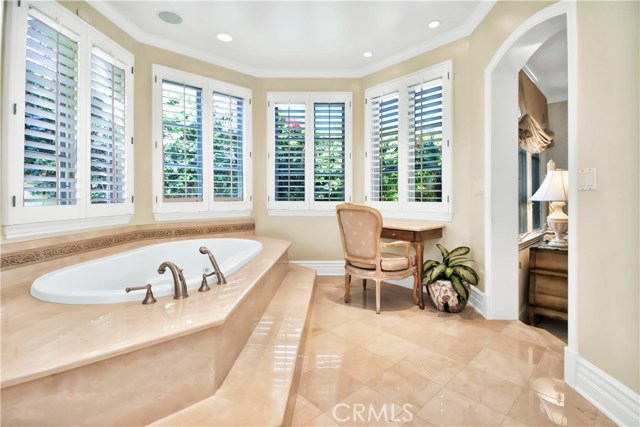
[(347, 287), (364, 284), (377, 297)]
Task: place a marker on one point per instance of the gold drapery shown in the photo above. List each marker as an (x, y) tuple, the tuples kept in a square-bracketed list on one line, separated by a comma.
[(533, 133)]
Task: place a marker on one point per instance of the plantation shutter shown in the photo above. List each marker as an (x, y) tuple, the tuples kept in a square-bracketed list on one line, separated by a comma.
[(329, 159), (51, 113), (108, 149), (425, 142), (228, 146), (182, 142), (290, 152), (384, 147)]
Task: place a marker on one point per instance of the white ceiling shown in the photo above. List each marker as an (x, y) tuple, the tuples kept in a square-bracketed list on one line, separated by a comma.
[(298, 38), (547, 68)]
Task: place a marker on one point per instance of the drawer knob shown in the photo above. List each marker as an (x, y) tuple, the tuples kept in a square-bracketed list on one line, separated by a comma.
[(393, 234)]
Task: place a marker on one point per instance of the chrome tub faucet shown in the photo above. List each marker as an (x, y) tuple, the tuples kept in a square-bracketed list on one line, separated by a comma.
[(179, 283), (216, 270)]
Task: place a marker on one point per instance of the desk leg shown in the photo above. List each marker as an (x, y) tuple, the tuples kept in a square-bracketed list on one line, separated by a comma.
[(418, 297)]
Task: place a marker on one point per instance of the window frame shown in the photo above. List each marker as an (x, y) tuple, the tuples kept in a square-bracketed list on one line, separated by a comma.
[(308, 207), (22, 221), (403, 208), (208, 207)]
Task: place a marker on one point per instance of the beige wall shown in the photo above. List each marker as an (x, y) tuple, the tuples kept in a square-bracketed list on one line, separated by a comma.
[(608, 114), (559, 150), (608, 139)]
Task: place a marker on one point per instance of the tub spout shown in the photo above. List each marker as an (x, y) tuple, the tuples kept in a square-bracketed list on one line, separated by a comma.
[(179, 283), (216, 268)]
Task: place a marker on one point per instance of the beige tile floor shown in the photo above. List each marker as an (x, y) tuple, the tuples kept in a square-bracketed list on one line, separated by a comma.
[(421, 368)]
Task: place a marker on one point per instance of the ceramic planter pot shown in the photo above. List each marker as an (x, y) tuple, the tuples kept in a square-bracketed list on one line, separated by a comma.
[(445, 298)]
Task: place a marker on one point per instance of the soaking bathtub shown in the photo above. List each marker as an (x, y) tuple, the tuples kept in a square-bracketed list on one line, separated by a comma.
[(57, 358), (103, 280)]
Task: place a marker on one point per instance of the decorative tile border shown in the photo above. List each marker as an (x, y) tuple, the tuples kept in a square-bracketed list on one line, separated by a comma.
[(47, 253)]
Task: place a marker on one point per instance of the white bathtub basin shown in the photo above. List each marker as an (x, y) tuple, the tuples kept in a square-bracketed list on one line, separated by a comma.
[(103, 280)]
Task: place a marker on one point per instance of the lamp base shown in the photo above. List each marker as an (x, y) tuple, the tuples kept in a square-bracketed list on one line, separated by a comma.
[(558, 222)]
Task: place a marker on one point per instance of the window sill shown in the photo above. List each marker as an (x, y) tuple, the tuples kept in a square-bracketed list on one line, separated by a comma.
[(52, 227), (177, 216), (298, 212), (530, 239)]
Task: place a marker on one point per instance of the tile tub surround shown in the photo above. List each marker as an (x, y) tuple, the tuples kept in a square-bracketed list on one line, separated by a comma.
[(271, 362), (126, 356), (30, 252)]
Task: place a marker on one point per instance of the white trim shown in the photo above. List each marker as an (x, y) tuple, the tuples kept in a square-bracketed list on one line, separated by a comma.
[(478, 300), (500, 89), (324, 268), (610, 396), (42, 228), (126, 24)]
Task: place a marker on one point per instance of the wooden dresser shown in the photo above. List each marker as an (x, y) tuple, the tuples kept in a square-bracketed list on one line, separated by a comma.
[(548, 290)]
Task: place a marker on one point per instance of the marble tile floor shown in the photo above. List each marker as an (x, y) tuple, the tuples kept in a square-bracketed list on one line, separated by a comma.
[(407, 367)]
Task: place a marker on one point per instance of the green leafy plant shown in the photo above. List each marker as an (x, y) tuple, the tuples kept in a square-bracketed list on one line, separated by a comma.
[(451, 268)]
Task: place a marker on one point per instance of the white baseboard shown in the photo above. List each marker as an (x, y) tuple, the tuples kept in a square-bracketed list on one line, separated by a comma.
[(324, 268), (336, 268), (610, 396), (478, 300)]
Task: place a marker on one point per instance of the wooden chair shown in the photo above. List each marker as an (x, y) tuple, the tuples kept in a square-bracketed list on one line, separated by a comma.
[(360, 229)]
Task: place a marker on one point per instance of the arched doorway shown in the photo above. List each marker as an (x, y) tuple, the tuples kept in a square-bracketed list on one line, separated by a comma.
[(501, 175)]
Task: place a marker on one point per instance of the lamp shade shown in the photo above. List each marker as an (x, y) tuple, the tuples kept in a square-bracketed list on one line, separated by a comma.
[(555, 186)]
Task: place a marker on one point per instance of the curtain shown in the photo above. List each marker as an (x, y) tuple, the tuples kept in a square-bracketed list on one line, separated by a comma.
[(533, 133)]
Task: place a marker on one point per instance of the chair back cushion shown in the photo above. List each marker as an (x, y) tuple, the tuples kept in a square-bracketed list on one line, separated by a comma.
[(360, 228)]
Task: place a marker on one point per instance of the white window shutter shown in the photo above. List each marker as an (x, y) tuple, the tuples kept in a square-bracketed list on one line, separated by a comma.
[(228, 147), (108, 124), (51, 114), (290, 133), (329, 153), (182, 142), (384, 147), (425, 142)]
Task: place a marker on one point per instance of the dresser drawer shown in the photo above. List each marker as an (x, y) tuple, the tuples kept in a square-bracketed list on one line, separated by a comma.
[(549, 260), (407, 236)]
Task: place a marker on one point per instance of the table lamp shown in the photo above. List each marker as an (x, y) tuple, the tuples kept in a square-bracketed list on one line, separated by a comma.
[(555, 189)]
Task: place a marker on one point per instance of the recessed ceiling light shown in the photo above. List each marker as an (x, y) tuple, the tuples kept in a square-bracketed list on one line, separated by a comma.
[(434, 24), (367, 54), (224, 37), (170, 17)]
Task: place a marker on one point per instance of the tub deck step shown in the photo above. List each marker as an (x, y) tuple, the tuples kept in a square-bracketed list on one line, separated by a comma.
[(258, 389)]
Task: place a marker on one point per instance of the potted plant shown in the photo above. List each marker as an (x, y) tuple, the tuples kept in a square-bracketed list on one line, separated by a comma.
[(448, 282)]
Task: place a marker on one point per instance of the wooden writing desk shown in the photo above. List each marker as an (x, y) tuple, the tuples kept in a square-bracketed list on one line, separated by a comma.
[(415, 232)]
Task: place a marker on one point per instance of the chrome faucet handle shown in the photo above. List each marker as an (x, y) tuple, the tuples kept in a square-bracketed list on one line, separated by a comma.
[(148, 299)]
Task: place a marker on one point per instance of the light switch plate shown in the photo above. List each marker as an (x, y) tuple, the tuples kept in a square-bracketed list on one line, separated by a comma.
[(587, 179)]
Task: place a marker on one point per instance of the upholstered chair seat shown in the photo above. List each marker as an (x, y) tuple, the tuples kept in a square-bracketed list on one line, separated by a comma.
[(360, 230)]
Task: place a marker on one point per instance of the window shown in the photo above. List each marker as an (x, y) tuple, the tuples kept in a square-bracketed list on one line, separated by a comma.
[(202, 148), (309, 155), (408, 145), (68, 138), (530, 214)]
